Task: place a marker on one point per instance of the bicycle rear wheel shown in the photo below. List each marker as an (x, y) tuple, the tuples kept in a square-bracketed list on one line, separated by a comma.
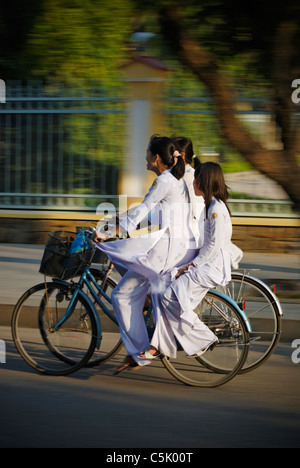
[(216, 367), (263, 312), (48, 350)]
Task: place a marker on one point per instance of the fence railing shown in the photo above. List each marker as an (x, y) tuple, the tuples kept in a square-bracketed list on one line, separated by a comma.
[(64, 151), (60, 144), (262, 208), (90, 203)]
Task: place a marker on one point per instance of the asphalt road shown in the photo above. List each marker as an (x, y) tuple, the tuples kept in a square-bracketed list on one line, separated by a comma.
[(19, 270), (148, 408)]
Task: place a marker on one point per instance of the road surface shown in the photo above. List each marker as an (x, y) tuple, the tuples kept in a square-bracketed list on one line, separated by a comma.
[(147, 408)]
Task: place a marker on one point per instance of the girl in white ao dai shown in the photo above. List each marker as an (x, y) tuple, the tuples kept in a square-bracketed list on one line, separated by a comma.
[(211, 267), (149, 259)]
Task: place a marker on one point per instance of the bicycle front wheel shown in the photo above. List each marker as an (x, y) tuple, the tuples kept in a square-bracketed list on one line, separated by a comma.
[(46, 349), (225, 360)]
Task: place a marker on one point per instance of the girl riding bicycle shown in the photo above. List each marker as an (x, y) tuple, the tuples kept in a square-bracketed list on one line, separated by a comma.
[(149, 259), (211, 267)]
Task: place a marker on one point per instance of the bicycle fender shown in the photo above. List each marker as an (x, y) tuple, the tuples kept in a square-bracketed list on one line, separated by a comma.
[(236, 307), (269, 290)]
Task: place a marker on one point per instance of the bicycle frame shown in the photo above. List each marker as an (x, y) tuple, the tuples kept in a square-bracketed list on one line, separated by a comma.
[(236, 307), (84, 279), (96, 290)]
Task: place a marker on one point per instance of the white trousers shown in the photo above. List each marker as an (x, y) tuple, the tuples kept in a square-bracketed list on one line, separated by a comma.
[(175, 318), (128, 300)]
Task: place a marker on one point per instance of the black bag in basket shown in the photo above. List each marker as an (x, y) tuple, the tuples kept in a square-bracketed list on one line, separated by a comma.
[(66, 255)]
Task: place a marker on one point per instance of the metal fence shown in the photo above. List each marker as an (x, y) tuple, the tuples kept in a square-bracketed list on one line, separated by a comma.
[(59, 144), (62, 150)]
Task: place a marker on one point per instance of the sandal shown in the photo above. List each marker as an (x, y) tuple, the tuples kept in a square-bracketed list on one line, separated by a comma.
[(129, 363), (148, 355), (202, 351)]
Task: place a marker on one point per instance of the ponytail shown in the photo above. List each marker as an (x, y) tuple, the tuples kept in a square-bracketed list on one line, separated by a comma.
[(179, 169), (196, 162), (185, 145), (165, 148)]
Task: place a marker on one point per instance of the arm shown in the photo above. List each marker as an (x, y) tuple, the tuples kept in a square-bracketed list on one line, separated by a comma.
[(156, 193), (213, 243), (183, 270), (214, 235)]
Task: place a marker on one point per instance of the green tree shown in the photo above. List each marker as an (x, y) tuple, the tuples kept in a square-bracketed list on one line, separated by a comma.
[(231, 47), (71, 41), (80, 41), (207, 36)]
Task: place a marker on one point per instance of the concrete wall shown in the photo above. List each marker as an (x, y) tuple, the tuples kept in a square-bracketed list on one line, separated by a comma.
[(267, 239), (250, 234)]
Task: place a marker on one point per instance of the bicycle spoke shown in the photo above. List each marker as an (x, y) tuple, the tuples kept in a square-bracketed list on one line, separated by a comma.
[(51, 350), (261, 307), (216, 367)]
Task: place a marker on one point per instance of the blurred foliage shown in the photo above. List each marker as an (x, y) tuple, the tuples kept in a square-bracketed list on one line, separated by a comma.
[(86, 41), (80, 44), (71, 41), (81, 41), (242, 35)]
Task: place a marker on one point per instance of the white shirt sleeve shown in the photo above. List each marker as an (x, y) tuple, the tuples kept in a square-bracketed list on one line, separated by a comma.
[(156, 193), (213, 242)]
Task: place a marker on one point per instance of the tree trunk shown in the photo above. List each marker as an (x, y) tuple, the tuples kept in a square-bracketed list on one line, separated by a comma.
[(279, 165)]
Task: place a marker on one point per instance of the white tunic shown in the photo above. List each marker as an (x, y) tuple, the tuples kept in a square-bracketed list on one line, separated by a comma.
[(172, 245), (149, 259), (197, 207), (215, 245), (175, 308)]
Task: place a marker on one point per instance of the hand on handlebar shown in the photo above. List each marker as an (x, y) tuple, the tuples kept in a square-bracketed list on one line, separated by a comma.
[(99, 236)]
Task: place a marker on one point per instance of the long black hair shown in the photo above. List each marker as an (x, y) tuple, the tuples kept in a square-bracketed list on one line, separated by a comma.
[(209, 178), (165, 148), (185, 145)]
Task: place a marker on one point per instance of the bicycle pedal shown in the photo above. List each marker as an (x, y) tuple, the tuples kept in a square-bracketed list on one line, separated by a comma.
[(212, 346)]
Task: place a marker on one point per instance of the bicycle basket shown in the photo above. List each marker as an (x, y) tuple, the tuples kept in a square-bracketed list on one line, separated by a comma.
[(59, 262)]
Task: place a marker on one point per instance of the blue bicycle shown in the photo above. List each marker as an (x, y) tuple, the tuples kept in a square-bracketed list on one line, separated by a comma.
[(61, 326)]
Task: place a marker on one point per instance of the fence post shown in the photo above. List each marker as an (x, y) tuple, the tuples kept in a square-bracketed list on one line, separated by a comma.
[(145, 77)]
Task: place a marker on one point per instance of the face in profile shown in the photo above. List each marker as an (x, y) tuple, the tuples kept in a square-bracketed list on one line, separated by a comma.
[(151, 161), (197, 190)]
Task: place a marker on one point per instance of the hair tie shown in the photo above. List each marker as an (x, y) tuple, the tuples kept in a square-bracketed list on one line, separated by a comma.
[(176, 154)]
